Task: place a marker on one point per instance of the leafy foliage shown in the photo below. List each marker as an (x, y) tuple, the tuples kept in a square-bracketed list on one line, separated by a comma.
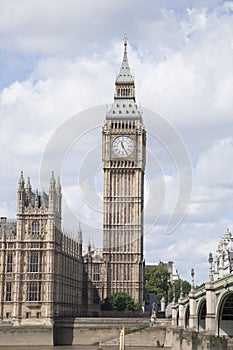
[(157, 281), (120, 302), (186, 286)]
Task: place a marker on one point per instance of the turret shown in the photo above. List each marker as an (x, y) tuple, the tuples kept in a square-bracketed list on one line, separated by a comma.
[(224, 256), (21, 193), (89, 248), (37, 199), (80, 235), (58, 195), (80, 239), (52, 194), (28, 191)]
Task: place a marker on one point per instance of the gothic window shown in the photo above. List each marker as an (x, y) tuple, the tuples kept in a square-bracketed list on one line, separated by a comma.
[(129, 273), (84, 295), (84, 274), (34, 261), (96, 273), (125, 271), (35, 228), (117, 271), (8, 291), (96, 298), (34, 291), (9, 262)]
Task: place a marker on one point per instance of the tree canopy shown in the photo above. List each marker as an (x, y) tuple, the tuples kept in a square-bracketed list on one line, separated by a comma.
[(120, 302), (157, 280), (186, 286)]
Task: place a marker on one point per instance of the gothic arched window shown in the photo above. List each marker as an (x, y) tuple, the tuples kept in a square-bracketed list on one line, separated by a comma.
[(35, 228)]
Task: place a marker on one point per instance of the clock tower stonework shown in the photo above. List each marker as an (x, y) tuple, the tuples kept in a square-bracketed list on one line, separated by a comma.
[(124, 158)]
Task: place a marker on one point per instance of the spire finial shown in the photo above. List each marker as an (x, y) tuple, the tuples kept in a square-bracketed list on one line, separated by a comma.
[(125, 40), (21, 180), (52, 180), (125, 76), (29, 184), (58, 187), (89, 246), (80, 238)]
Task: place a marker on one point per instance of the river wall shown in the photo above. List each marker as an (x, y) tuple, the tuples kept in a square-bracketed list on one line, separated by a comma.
[(92, 331), (26, 335)]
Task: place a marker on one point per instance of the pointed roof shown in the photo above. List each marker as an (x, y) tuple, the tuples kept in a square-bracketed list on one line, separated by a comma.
[(80, 238), (21, 180), (58, 185), (89, 246), (28, 186), (227, 234), (125, 75), (52, 180), (124, 105)]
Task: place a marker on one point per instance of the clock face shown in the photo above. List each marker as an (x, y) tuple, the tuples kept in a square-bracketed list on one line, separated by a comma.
[(123, 146)]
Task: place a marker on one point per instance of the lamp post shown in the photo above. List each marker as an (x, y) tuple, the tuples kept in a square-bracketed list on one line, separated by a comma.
[(211, 277), (181, 290), (174, 293), (192, 275)]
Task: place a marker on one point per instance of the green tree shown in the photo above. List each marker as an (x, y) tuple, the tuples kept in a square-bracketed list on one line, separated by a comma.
[(186, 286), (157, 281), (120, 302)]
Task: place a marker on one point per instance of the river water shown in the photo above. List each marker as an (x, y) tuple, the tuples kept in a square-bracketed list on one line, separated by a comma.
[(79, 347), (76, 348)]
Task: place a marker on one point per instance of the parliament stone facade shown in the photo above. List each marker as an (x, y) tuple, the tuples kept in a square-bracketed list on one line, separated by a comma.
[(43, 272)]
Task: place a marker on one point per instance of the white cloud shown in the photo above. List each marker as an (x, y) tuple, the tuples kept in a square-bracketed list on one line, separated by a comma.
[(214, 167), (182, 59)]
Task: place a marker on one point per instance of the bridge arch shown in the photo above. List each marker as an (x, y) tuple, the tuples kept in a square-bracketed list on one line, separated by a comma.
[(224, 314), (201, 315)]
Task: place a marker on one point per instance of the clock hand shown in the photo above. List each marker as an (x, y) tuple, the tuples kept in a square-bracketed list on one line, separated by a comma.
[(122, 145)]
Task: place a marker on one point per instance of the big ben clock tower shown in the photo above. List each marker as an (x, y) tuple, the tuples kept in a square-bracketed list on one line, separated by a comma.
[(124, 158)]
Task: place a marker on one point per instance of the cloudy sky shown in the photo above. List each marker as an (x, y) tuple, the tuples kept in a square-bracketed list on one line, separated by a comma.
[(60, 58)]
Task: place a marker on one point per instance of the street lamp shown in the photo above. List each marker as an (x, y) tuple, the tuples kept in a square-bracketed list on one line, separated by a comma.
[(211, 267), (192, 275)]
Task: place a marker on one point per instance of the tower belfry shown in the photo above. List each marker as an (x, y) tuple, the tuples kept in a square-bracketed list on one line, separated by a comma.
[(124, 157)]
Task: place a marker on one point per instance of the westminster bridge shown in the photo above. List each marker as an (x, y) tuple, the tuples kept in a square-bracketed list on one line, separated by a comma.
[(208, 308)]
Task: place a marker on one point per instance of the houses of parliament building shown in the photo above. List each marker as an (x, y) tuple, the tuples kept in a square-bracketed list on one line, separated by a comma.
[(43, 272)]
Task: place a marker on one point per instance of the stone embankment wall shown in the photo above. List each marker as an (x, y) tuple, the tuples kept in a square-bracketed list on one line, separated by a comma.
[(23, 336), (184, 339), (91, 331), (138, 332)]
